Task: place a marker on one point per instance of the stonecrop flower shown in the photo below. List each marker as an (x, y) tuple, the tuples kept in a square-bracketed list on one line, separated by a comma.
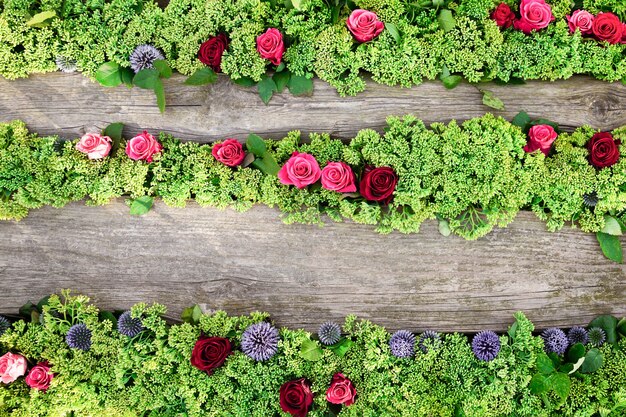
[(129, 326), (143, 57), (486, 345), (260, 341), (402, 344), (329, 333), (555, 340), (78, 337)]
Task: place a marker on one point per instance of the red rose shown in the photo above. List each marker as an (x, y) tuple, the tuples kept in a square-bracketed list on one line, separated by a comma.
[(270, 45), (211, 51), (603, 150), (623, 33), (210, 353), (39, 377), (607, 27), (296, 397), (364, 25), (540, 137), (230, 152), (338, 176), (534, 15), (341, 390), (377, 184), (503, 15)]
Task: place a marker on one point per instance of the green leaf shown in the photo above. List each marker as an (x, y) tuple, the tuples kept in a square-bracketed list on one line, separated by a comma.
[(576, 352), (147, 78), (607, 323), (163, 67), (446, 20), (202, 76), (490, 100), (560, 384), (510, 81), (141, 205), (593, 361), (256, 145), (108, 75), (266, 88), (27, 309), (576, 366), (544, 364), (621, 328), (538, 384), (611, 247), (310, 350), (280, 67), (281, 79), (160, 95), (126, 75), (444, 228), (611, 226), (245, 82), (267, 165), (452, 81), (340, 348), (41, 19), (299, 85), (298, 4), (393, 30), (43, 302), (513, 330), (192, 314), (114, 131), (521, 120)]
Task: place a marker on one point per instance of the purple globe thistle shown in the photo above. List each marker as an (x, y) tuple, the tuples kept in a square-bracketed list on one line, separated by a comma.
[(486, 345), (577, 334), (5, 325), (402, 344), (129, 326), (555, 340), (597, 336), (329, 333), (65, 64), (260, 341), (143, 57), (78, 337), (428, 339)]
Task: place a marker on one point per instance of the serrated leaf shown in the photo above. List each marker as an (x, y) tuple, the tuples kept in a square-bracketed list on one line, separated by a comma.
[(611, 226), (611, 247), (576, 352), (341, 348), (444, 228), (202, 76), (114, 131), (451, 81), (521, 120), (538, 384), (163, 67), (490, 100), (299, 85), (393, 30), (245, 82), (108, 75), (608, 323), (560, 384), (281, 79), (141, 205), (266, 88), (446, 20), (545, 365), (41, 19), (310, 350), (593, 361), (160, 95), (147, 78), (256, 145)]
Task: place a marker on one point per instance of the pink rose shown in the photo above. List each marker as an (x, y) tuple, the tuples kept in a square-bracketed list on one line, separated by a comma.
[(338, 176), (364, 25), (230, 152), (40, 377), (540, 137), (300, 170), (94, 145), (143, 147), (581, 20), (270, 46), (534, 15), (12, 366)]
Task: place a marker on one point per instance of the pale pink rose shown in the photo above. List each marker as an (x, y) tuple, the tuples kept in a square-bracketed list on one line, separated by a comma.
[(338, 176), (540, 137), (12, 366), (300, 170), (94, 145), (534, 15), (364, 25), (143, 147), (581, 20)]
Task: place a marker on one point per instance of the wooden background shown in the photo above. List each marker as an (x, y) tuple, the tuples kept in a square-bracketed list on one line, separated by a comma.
[(303, 275)]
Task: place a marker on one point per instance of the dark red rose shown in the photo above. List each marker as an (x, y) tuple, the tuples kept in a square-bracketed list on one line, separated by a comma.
[(607, 27), (296, 397), (230, 152), (40, 376), (378, 184), (210, 353), (503, 15), (211, 51), (603, 150), (341, 390)]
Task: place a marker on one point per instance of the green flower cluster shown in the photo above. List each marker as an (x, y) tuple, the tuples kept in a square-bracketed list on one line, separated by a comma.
[(473, 177), (318, 42), (151, 373)]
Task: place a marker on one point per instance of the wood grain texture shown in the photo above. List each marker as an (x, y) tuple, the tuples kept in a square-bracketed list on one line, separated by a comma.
[(304, 275), (70, 105)]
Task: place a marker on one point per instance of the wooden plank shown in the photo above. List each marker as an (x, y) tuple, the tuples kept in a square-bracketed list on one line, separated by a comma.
[(70, 105), (304, 275)]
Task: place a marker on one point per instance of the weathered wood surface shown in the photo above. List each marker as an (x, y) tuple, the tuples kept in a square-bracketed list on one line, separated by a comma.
[(304, 275), (70, 105)]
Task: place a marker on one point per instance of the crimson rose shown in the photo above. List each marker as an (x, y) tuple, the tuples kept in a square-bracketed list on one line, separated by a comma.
[(210, 353), (211, 51), (503, 15), (603, 150), (607, 27), (296, 397), (341, 390), (230, 152), (378, 184)]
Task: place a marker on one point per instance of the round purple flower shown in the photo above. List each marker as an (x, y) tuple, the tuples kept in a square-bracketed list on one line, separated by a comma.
[(486, 345), (78, 337), (597, 336), (5, 325), (129, 326), (428, 339), (402, 344), (143, 57), (555, 340), (260, 341), (577, 334), (329, 333)]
